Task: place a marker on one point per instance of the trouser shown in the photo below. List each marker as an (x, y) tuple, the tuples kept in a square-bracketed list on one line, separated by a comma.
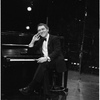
[(41, 74)]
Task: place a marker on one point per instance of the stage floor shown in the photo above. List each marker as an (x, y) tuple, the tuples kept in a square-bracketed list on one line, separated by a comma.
[(80, 87)]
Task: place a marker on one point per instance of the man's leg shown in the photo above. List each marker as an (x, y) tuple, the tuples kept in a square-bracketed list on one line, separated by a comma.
[(46, 82), (38, 77), (39, 74)]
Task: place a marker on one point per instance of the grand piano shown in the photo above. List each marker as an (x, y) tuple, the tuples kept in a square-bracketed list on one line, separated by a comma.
[(18, 62)]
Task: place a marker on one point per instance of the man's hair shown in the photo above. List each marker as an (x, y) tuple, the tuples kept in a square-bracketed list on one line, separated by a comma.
[(42, 24)]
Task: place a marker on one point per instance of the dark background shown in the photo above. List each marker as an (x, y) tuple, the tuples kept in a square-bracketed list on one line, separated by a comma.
[(64, 17)]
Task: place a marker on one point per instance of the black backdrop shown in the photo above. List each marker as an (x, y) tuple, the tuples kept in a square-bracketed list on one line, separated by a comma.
[(65, 17)]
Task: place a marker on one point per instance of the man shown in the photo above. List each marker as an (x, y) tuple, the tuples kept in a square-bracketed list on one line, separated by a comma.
[(51, 57)]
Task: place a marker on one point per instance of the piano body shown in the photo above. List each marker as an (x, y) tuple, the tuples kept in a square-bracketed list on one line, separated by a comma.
[(18, 66)]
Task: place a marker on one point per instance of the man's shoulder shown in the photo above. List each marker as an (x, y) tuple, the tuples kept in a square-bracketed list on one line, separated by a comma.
[(54, 36)]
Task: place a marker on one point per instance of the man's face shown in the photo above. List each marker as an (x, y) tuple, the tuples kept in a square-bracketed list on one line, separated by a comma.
[(43, 31)]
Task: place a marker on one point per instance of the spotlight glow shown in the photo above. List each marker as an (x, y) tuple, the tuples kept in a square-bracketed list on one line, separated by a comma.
[(27, 27), (74, 63), (29, 8), (85, 13), (77, 63)]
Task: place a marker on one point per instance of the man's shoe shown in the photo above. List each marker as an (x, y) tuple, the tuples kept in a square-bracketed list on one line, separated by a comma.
[(25, 91)]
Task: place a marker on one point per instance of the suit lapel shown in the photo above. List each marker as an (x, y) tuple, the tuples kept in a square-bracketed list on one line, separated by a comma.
[(50, 37)]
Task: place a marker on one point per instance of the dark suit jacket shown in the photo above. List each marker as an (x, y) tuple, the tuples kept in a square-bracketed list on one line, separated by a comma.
[(54, 52)]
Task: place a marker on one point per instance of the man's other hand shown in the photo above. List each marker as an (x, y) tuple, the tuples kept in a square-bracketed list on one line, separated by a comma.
[(42, 59)]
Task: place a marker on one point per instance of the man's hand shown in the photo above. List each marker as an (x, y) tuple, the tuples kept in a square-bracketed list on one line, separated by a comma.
[(42, 59), (36, 37)]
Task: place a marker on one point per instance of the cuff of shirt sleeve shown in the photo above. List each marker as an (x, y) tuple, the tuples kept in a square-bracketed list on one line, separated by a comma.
[(48, 59), (30, 45)]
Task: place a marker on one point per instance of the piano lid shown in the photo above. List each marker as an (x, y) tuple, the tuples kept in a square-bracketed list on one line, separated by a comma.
[(13, 37)]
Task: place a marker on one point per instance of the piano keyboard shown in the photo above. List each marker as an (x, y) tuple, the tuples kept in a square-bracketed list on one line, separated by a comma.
[(27, 59), (22, 59)]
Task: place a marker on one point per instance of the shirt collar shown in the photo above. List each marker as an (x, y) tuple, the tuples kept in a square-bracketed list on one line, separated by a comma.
[(47, 37)]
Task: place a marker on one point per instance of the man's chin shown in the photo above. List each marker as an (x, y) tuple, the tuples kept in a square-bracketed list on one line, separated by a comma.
[(42, 36)]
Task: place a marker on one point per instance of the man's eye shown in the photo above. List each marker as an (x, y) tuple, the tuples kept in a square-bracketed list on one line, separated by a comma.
[(41, 29)]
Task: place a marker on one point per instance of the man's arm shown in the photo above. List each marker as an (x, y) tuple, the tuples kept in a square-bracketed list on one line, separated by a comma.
[(31, 44), (56, 48)]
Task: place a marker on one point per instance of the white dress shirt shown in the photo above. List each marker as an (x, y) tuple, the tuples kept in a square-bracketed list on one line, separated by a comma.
[(45, 46)]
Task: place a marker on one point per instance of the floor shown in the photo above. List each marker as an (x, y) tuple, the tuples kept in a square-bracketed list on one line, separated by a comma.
[(80, 87)]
